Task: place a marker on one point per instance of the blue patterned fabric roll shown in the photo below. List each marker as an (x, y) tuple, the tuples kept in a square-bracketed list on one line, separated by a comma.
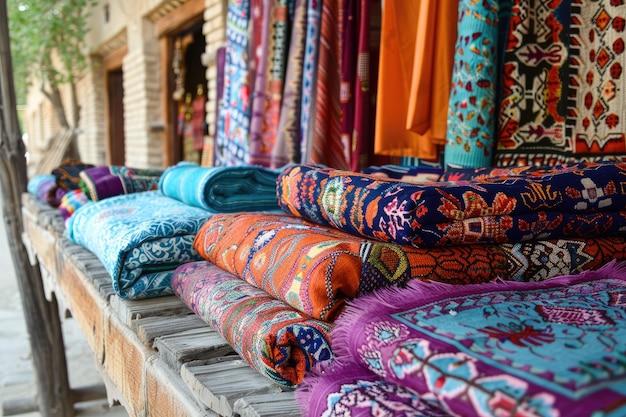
[(140, 239)]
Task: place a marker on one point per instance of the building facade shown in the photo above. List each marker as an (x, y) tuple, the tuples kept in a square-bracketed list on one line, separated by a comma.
[(144, 58)]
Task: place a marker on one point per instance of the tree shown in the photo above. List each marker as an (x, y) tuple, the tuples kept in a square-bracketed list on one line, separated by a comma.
[(48, 44)]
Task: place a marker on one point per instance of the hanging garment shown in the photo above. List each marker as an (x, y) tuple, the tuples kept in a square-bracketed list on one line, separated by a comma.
[(472, 109), (417, 47), (234, 122), (287, 147)]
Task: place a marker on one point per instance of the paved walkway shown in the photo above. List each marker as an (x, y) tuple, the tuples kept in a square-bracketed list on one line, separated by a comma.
[(16, 371)]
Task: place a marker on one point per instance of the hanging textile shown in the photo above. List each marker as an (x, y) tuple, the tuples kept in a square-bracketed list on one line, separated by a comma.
[(349, 21), (416, 51), (234, 122), (532, 111), (368, 50), (562, 83), (309, 75), (268, 83), (326, 146), (472, 111), (287, 146)]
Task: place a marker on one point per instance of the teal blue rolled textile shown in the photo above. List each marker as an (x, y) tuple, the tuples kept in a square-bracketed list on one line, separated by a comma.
[(222, 189)]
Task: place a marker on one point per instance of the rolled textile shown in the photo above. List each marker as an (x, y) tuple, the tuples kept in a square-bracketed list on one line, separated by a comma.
[(222, 189), (68, 174), (40, 185), (109, 180), (71, 202), (140, 239), (315, 268), (552, 348), (278, 341), (396, 211)]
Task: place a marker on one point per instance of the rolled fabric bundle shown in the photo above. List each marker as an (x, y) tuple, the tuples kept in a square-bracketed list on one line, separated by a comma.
[(395, 211), (315, 269), (140, 239), (71, 202), (222, 189), (275, 339), (109, 180), (40, 185), (553, 347)]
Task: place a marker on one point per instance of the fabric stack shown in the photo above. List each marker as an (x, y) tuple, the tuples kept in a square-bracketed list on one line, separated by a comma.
[(345, 235), (142, 237)]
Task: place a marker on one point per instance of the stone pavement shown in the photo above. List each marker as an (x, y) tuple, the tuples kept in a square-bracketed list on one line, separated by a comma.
[(16, 373)]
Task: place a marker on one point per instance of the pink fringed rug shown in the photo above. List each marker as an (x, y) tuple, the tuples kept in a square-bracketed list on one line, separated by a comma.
[(551, 348)]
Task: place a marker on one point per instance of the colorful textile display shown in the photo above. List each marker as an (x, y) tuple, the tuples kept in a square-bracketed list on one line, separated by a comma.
[(315, 268), (40, 185), (221, 189), (140, 239), (109, 180), (545, 349), (278, 341), (472, 109), (561, 82), (566, 202), (72, 201)]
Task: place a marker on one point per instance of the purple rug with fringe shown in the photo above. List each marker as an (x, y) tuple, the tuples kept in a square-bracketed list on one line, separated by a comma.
[(551, 348)]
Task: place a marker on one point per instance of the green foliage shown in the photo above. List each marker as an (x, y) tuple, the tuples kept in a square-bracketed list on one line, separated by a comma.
[(41, 29)]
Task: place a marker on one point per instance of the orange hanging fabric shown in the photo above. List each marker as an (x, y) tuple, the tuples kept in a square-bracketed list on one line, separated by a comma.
[(416, 57)]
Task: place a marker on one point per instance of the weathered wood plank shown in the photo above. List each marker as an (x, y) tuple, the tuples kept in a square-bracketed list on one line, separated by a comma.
[(172, 398), (125, 362), (194, 344), (282, 404), (219, 383), (130, 310), (150, 327), (85, 303)]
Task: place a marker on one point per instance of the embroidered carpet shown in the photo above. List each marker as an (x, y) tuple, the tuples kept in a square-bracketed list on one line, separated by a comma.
[(140, 239), (586, 200), (278, 341), (553, 348)]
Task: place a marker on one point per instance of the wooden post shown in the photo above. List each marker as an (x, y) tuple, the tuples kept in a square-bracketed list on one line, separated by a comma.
[(42, 317)]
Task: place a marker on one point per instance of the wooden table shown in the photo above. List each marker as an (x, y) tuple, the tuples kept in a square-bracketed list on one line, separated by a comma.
[(157, 358)]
